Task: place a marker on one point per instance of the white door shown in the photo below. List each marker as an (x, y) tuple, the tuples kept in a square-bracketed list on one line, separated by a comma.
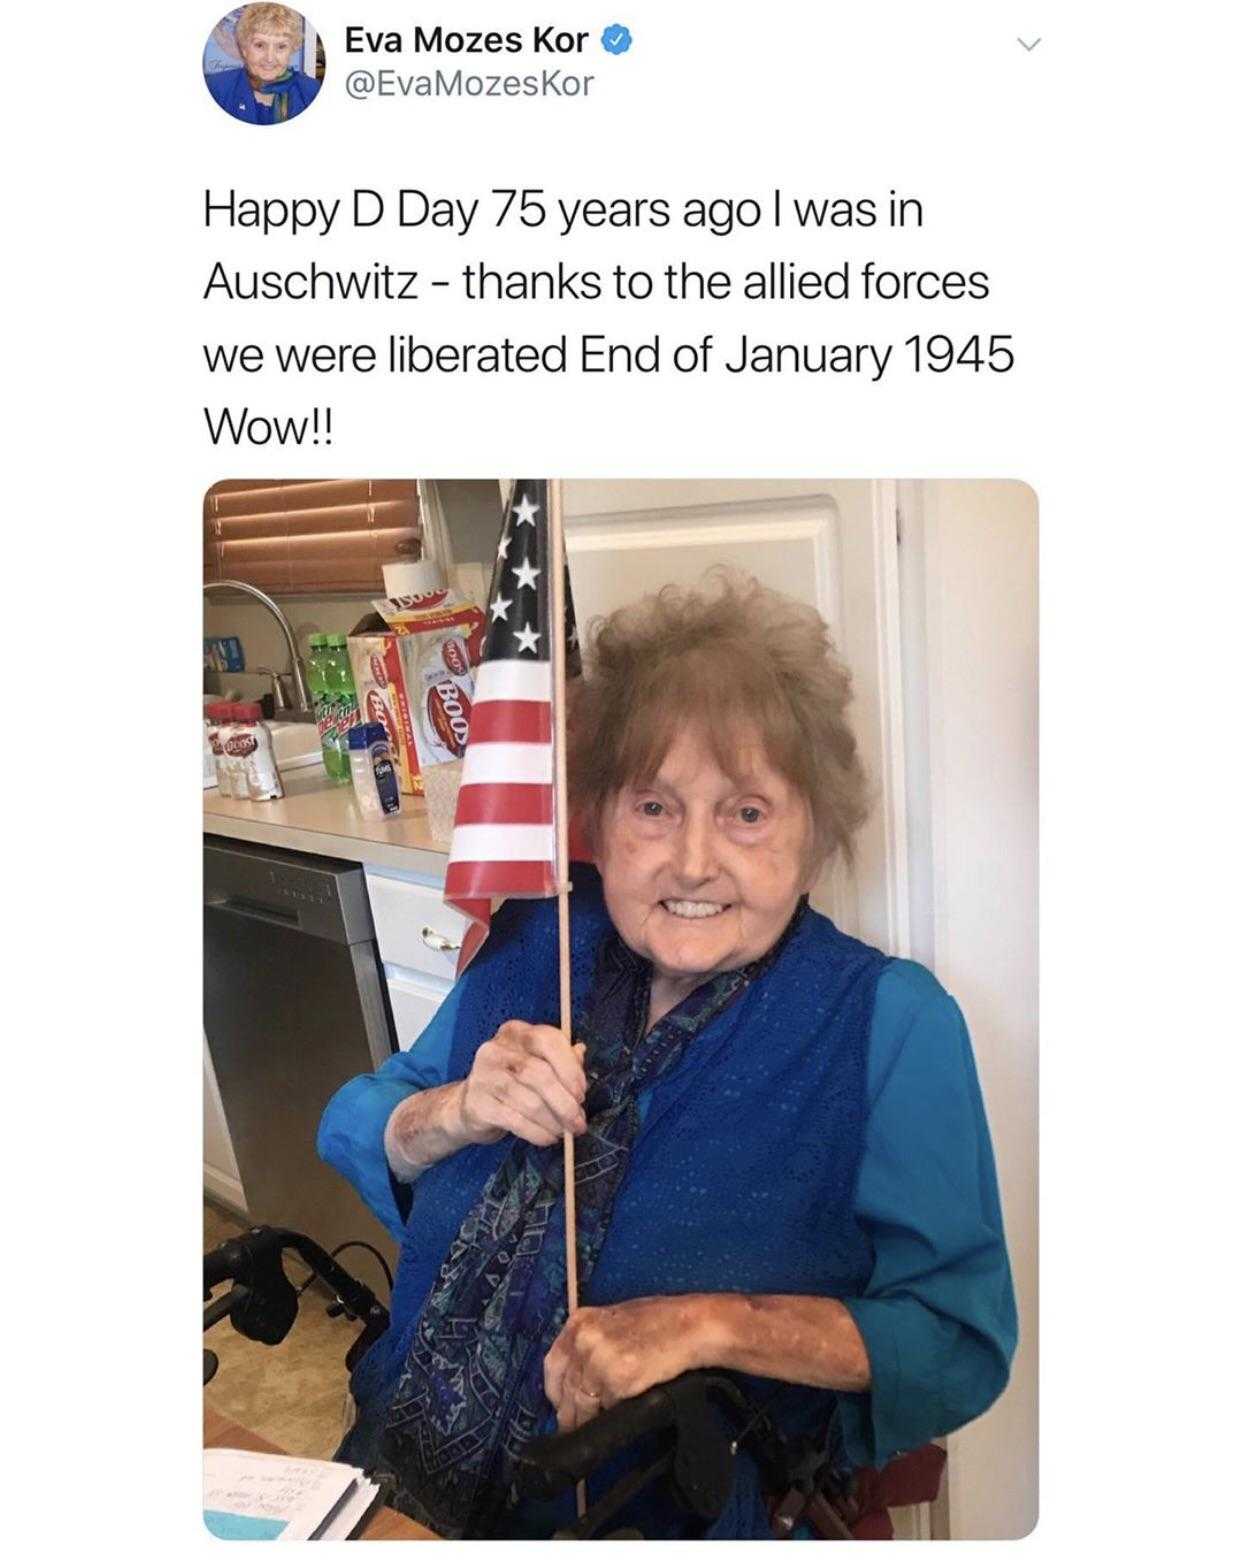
[(831, 544)]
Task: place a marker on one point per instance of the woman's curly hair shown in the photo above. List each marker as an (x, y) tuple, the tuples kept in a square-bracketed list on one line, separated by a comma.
[(735, 662), (269, 19)]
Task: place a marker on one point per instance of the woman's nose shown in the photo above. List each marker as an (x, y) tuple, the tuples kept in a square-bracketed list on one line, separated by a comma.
[(696, 857)]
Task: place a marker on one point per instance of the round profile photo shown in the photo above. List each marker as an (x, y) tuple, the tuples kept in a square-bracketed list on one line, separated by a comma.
[(263, 64)]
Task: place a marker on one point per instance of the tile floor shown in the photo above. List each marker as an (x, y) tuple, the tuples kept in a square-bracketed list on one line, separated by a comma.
[(293, 1393)]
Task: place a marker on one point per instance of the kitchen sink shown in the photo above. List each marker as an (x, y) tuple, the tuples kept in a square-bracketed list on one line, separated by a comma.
[(296, 743)]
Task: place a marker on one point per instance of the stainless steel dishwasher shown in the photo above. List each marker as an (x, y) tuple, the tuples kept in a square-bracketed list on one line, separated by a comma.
[(295, 1003)]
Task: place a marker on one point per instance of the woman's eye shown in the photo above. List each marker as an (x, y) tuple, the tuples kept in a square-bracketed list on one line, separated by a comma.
[(651, 809), (750, 814)]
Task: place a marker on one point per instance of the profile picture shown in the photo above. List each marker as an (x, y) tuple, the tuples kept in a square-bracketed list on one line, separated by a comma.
[(263, 64)]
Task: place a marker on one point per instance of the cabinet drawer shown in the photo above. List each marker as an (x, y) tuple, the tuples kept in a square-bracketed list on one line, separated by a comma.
[(414, 927), (413, 1004)]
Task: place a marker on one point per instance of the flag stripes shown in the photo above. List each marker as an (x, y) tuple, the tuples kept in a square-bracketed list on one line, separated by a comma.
[(530, 880), (504, 835), (511, 721), (505, 842), (514, 680), (500, 764), (512, 805)]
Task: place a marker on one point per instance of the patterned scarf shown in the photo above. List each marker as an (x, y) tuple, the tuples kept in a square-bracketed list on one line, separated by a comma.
[(279, 91), (471, 1393)]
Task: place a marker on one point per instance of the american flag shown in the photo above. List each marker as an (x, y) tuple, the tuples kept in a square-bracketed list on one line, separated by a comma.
[(504, 834)]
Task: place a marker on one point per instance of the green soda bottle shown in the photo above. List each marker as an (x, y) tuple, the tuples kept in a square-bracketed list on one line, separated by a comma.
[(345, 713), (321, 697)]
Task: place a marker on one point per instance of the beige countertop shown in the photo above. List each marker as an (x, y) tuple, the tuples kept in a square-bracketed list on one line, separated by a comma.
[(317, 816)]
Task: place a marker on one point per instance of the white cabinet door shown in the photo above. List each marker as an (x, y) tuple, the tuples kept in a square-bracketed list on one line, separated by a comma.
[(413, 926), (831, 544), (221, 1177), (414, 1000)]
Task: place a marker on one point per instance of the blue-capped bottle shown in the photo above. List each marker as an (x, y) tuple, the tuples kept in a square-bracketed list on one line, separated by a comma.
[(374, 774)]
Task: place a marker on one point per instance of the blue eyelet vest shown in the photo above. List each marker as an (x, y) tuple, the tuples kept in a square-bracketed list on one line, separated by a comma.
[(742, 1177)]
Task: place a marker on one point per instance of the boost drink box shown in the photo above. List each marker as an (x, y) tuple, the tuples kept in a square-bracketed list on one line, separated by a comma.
[(413, 666), (438, 652)]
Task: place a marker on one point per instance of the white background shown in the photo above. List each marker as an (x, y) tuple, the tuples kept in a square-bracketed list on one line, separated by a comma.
[(1093, 178)]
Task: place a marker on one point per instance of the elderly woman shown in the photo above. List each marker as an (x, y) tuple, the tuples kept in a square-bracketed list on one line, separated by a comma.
[(266, 90), (783, 1166)]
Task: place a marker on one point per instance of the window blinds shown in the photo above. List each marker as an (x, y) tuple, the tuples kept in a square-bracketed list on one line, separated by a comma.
[(292, 538)]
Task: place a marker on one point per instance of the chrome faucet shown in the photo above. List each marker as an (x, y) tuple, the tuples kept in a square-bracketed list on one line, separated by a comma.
[(301, 694)]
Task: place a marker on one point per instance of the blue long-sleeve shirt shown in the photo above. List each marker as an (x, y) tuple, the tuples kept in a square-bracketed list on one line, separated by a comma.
[(937, 1315)]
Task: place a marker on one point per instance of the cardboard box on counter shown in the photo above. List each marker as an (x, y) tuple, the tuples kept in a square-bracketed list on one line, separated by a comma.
[(413, 661), (380, 684)]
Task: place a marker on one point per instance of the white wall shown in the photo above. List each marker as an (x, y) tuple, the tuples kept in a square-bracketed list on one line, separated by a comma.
[(970, 631)]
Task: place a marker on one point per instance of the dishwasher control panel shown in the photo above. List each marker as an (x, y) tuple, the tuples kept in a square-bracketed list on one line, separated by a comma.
[(317, 895)]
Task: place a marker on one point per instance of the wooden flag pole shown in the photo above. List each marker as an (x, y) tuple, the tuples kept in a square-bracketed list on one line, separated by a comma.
[(556, 549), (560, 810)]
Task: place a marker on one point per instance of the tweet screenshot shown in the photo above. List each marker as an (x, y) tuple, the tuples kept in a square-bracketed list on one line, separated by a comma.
[(680, 540)]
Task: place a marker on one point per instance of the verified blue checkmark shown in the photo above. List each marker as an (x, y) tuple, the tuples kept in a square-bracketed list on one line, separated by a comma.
[(616, 39)]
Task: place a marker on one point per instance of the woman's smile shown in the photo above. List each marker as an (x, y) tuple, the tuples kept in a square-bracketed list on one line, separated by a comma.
[(692, 910)]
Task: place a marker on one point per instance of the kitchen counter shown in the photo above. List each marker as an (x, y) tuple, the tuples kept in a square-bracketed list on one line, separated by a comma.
[(322, 818)]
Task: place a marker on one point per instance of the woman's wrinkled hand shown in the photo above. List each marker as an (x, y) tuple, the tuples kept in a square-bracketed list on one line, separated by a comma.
[(608, 1353), (527, 1080)]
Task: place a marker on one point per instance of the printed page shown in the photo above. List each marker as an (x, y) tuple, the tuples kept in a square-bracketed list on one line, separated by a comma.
[(266, 1496)]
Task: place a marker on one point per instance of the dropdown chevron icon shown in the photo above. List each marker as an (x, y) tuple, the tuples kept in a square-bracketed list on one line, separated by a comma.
[(1029, 46)]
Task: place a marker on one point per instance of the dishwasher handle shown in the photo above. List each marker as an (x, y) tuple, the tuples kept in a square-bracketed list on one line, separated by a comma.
[(253, 912)]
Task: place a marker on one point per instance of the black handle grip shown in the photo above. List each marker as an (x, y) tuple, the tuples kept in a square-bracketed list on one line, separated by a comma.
[(227, 1261), (555, 1463), (552, 1464)]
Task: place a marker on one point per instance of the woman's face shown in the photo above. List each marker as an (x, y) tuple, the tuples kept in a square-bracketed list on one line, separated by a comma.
[(701, 873), (266, 55)]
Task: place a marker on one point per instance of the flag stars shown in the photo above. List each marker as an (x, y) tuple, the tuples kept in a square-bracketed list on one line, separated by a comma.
[(524, 574), (503, 549), (528, 639), (525, 512), (500, 608)]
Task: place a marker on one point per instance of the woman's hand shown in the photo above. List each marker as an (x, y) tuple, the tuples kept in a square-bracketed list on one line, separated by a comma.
[(607, 1353), (527, 1080)]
